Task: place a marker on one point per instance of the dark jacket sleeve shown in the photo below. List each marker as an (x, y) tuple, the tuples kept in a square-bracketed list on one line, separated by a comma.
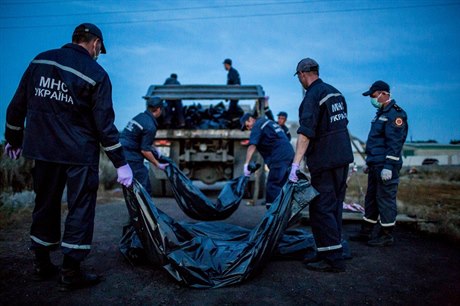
[(16, 113), (308, 116), (104, 118), (395, 136)]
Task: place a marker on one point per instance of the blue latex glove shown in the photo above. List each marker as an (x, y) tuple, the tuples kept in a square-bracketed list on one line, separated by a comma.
[(386, 175), (246, 170), (162, 166), (12, 152), (125, 175), (293, 175)]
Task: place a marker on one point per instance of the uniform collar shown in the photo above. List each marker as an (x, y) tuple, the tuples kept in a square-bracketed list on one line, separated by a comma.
[(151, 116), (76, 48), (315, 82), (388, 106)]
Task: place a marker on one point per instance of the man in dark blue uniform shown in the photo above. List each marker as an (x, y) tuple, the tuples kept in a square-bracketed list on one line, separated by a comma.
[(282, 118), (233, 78), (66, 98), (271, 142), (324, 140), (383, 148), (137, 140), (174, 108)]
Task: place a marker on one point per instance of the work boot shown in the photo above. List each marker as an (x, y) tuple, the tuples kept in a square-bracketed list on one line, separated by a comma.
[(43, 268), (326, 265), (385, 238), (364, 234), (44, 271), (71, 279)]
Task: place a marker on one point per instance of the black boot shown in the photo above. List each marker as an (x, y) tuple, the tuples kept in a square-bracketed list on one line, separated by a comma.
[(384, 238), (72, 277), (326, 265), (43, 268), (365, 233)]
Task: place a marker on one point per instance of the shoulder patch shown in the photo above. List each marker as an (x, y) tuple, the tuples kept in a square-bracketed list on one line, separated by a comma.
[(399, 121)]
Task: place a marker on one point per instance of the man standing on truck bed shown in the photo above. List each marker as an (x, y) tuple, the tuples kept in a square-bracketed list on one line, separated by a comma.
[(271, 142), (174, 109), (65, 97), (233, 78), (383, 162), (137, 140), (324, 139)]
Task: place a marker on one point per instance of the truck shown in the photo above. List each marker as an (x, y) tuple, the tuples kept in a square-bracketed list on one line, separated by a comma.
[(207, 155)]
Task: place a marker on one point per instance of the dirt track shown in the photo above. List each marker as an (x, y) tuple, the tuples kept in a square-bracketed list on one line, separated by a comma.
[(417, 270)]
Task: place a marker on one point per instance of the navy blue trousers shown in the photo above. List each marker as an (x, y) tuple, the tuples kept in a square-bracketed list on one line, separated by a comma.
[(380, 201), (277, 177), (49, 182), (141, 174), (326, 211)]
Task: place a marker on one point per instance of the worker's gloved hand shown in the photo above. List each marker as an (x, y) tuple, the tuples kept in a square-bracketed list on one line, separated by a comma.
[(12, 152), (293, 175), (125, 175), (162, 166), (365, 169), (386, 175), (246, 171)]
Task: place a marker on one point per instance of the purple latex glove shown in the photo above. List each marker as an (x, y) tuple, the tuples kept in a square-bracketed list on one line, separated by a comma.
[(12, 152), (125, 175), (365, 169), (292, 175), (162, 166), (246, 170)]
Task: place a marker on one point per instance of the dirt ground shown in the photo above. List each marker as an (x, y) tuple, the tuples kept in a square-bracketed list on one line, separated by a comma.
[(417, 270)]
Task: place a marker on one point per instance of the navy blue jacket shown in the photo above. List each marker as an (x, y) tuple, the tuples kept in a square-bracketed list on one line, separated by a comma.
[(233, 77), (139, 134), (387, 136), (271, 142), (171, 81), (66, 97), (323, 119)]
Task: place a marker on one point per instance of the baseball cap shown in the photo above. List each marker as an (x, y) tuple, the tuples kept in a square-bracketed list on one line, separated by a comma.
[(243, 120), (284, 114), (377, 86), (154, 101), (306, 65), (227, 61), (93, 29)]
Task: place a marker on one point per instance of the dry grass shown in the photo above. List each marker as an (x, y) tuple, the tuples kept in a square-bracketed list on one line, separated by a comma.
[(430, 193)]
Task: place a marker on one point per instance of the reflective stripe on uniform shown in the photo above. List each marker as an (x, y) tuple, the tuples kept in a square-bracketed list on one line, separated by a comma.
[(111, 148), (383, 118), (264, 125), (392, 157), (328, 97), (137, 124), (66, 68), (39, 241), (387, 224), (76, 246), (12, 127), (369, 220), (330, 248)]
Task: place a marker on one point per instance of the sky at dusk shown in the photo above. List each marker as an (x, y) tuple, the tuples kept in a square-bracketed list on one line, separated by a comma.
[(412, 45)]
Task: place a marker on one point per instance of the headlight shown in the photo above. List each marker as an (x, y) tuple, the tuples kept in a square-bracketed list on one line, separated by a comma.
[(203, 147)]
